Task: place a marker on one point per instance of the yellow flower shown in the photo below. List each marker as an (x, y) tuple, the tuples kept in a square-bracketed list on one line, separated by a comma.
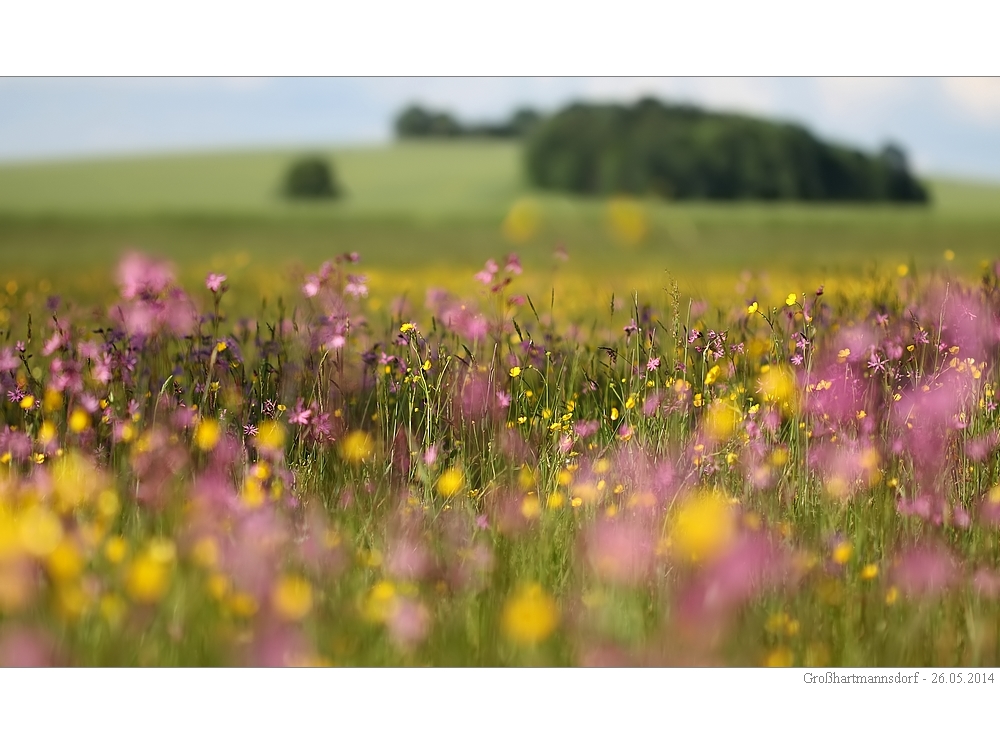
[(242, 604), (206, 552), (407, 327), (842, 553), (869, 572), (115, 550), (27, 402), (40, 531), (450, 482), (791, 299), (357, 447), (949, 255), (147, 579), (776, 385), (515, 371), (702, 527), (721, 420), (530, 615), (207, 434), (902, 269), (779, 657), (47, 432), (292, 598), (79, 421), (64, 563), (531, 507), (753, 308), (271, 436), (379, 602), (52, 401)]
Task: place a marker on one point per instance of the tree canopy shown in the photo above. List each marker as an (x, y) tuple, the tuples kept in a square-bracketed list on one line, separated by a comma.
[(684, 152), (418, 122), (311, 177)]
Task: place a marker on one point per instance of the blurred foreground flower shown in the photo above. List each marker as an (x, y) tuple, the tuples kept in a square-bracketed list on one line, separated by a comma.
[(530, 615)]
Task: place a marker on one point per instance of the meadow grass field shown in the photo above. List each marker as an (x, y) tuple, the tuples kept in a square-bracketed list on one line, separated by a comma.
[(453, 422)]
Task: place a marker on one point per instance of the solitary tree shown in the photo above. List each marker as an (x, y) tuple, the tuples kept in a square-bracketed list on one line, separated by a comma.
[(311, 177)]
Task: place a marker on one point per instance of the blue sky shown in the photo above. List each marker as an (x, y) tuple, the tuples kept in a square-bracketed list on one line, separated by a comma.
[(948, 126)]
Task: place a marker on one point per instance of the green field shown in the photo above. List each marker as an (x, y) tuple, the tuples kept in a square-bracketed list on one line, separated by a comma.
[(433, 212)]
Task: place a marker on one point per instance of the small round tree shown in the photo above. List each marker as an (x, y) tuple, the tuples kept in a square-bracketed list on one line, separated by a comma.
[(311, 177)]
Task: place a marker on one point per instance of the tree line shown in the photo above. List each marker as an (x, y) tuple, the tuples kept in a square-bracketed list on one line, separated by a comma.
[(684, 152), (418, 122)]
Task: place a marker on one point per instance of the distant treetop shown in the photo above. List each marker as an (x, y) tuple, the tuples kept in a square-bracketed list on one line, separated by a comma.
[(684, 152), (417, 122)]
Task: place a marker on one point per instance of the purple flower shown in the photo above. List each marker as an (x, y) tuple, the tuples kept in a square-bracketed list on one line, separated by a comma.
[(513, 264), (876, 363), (653, 364), (214, 281), (299, 415)]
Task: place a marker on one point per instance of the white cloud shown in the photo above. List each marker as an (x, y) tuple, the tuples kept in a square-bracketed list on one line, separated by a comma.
[(978, 98)]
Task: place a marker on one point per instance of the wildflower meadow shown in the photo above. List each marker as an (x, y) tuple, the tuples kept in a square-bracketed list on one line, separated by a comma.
[(191, 478)]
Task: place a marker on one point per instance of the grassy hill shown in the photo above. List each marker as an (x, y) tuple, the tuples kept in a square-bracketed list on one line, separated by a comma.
[(427, 179), (407, 179)]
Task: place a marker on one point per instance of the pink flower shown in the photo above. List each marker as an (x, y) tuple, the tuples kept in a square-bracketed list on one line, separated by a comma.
[(430, 455), (299, 414), (621, 551), (356, 286), (214, 281), (408, 622), (925, 570), (140, 276), (311, 287), (21, 647)]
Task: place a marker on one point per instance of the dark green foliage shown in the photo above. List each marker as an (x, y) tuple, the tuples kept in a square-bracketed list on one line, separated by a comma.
[(686, 153), (311, 177), (416, 122)]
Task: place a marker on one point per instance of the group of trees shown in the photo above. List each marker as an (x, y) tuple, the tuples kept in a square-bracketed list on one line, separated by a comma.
[(684, 152), (652, 148), (417, 122)]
